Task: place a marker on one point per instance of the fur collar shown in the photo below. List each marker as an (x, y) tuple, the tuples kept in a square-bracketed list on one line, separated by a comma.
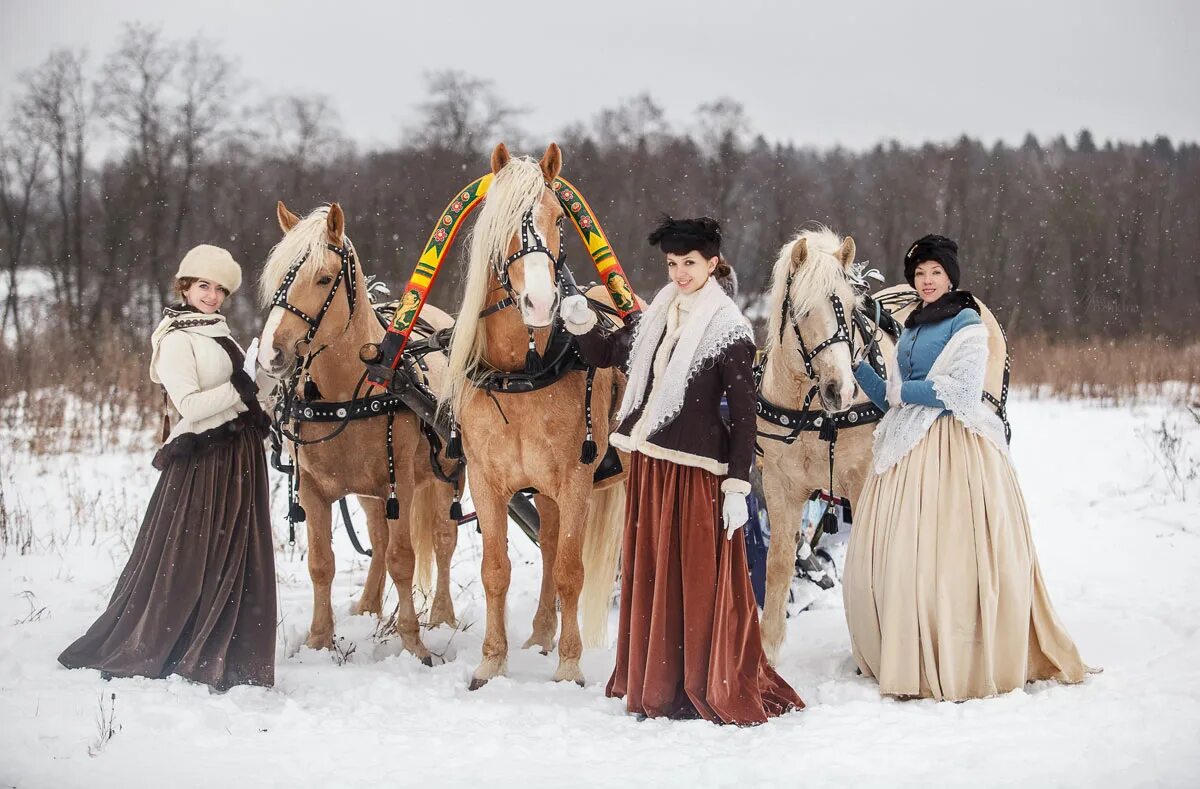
[(712, 323), (950, 304), (192, 321)]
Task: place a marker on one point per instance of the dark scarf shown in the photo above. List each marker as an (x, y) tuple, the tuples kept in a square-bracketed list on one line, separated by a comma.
[(947, 306)]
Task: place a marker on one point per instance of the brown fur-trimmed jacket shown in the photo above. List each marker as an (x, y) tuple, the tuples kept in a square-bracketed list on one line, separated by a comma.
[(684, 354)]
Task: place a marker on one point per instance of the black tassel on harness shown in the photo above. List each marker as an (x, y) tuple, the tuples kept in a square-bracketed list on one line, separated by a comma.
[(828, 428), (392, 508), (454, 447), (588, 454), (456, 512), (296, 513), (533, 360), (311, 392)]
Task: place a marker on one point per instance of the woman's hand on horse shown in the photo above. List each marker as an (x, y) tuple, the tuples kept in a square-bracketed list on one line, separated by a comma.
[(250, 364), (577, 315), (734, 512)]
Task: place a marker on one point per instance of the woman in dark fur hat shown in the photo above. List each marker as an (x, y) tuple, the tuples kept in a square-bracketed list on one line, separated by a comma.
[(944, 596), (197, 596), (688, 640)]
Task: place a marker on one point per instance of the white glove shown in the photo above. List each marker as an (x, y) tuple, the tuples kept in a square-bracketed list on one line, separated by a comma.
[(250, 365), (577, 315), (894, 383), (734, 512)]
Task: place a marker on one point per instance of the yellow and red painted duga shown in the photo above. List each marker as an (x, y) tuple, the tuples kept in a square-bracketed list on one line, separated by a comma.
[(442, 238)]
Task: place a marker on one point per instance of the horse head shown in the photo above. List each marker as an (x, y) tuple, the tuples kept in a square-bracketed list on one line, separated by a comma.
[(812, 308), (313, 285), (522, 218)]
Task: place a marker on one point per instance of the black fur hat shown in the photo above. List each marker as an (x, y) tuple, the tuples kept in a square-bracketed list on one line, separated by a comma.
[(680, 236), (932, 247)]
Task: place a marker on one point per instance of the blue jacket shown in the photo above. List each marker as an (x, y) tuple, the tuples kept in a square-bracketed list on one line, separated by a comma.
[(916, 352)]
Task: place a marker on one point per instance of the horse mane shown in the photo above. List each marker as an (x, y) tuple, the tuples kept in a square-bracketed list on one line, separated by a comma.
[(820, 275), (515, 189), (308, 237)]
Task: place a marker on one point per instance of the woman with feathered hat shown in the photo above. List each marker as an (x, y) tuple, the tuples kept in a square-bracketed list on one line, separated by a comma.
[(688, 640)]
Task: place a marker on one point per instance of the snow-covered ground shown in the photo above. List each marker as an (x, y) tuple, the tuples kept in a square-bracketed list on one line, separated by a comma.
[(1119, 546)]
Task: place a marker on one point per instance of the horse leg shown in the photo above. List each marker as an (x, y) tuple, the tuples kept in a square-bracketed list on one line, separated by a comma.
[(545, 620), (371, 601), (781, 556), (445, 541), (568, 575), (320, 567), (401, 563), (492, 508)]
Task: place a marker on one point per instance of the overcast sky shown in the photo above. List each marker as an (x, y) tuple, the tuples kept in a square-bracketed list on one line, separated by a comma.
[(825, 73)]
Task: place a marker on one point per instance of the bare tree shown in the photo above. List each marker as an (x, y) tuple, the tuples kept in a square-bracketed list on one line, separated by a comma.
[(22, 155), (55, 108), (463, 115)]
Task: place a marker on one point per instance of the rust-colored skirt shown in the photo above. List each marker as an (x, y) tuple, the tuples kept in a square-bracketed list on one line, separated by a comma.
[(688, 644), (197, 596)]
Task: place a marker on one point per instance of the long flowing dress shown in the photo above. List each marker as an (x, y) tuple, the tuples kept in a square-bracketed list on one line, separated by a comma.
[(197, 596), (943, 593)]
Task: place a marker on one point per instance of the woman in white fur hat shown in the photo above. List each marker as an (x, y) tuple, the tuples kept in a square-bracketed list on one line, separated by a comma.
[(197, 596)]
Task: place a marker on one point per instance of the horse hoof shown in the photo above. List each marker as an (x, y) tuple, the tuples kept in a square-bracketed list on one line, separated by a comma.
[(476, 683), (427, 661), (319, 642)]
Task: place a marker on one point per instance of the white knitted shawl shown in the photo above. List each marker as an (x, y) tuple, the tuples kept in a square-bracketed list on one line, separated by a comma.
[(713, 323), (957, 376)]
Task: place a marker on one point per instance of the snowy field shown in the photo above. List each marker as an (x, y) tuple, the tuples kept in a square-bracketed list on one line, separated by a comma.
[(1118, 538)]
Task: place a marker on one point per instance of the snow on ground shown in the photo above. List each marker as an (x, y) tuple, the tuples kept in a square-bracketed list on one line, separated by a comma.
[(1120, 552)]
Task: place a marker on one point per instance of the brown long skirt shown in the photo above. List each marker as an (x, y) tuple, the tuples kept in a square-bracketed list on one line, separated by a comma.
[(197, 597), (688, 644)]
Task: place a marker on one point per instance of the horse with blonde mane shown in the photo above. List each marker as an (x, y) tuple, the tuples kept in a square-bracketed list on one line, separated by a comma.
[(530, 437), (809, 345), (300, 280)]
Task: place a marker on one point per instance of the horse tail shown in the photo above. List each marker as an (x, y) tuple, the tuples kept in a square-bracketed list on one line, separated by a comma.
[(423, 519), (601, 551)]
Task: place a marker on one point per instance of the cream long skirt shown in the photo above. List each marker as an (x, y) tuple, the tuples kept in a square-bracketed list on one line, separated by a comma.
[(944, 597)]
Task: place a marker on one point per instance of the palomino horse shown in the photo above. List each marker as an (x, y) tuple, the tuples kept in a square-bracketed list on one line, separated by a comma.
[(531, 436), (807, 345), (310, 319)]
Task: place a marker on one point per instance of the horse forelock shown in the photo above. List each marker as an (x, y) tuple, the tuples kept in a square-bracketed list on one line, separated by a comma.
[(305, 241), (516, 189)]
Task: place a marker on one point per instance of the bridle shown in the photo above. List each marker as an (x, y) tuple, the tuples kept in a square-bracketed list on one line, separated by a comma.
[(841, 334), (347, 272), (531, 242)]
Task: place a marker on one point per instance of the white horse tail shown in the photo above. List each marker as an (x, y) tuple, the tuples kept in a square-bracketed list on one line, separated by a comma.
[(601, 552)]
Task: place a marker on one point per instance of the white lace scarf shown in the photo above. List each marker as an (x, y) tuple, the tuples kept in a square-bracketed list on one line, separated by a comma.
[(957, 376), (713, 323)]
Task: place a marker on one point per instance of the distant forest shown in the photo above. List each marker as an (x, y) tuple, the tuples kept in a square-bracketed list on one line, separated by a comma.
[(1066, 239)]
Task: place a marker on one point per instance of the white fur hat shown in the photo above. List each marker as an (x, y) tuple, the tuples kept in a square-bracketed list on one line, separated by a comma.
[(213, 264)]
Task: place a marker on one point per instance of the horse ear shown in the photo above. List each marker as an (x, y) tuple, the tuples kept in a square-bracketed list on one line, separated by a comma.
[(846, 253), (500, 157), (551, 162), (335, 224), (287, 220), (799, 253)]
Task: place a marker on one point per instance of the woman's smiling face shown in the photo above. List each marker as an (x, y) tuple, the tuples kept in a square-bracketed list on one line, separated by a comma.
[(690, 271)]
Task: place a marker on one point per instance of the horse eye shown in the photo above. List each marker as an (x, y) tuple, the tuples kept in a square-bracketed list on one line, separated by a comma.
[(325, 280)]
